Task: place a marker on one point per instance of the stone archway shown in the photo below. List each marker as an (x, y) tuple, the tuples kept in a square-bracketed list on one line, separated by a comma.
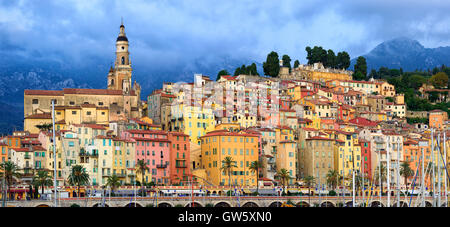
[(402, 204), (250, 204), (42, 205), (222, 204), (327, 204), (133, 205), (376, 204), (428, 204), (195, 204), (164, 205), (100, 205), (349, 204), (302, 204), (275, 204)]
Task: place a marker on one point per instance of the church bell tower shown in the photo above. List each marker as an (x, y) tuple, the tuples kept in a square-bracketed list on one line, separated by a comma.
[(119, 77)]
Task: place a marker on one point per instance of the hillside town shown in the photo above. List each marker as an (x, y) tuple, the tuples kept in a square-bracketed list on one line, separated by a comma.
[(311, 127)]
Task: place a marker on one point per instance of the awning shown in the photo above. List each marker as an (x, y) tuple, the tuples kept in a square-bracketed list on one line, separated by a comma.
[(267, 192)]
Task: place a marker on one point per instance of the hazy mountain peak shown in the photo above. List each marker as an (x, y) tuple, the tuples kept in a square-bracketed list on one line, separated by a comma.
[(406, 53)]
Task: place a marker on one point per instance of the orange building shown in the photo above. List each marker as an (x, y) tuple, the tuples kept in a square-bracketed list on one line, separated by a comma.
[(179, 157), (3, 152), (412, 154), (437, 119)]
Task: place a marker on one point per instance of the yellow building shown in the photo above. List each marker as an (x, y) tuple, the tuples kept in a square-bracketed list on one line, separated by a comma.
[(194, 121), (242, 147), (348, 153)]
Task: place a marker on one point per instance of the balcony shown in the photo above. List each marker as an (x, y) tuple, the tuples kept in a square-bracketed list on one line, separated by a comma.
[(181, 166), (106, 174), (161, 166), (120, 175), (27, 157)]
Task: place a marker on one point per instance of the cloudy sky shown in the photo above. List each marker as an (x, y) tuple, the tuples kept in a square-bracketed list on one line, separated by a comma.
[(162, 32)]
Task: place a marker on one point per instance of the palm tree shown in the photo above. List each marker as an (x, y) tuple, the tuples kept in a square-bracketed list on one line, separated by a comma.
[(78, 177), (10, 170), (255, 166), (383, 175), (333, 178), (309, 181), (141, 168), (113, 182), (227, 166), (42, 179), (284, 176), (406, 172)]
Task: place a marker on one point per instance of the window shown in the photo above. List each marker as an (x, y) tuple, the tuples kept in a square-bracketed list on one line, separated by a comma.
[(72, 103), (35, 101), (74, 112), (100, 103), (88, 113)]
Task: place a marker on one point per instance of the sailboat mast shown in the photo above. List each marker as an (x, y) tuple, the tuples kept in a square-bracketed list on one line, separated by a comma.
[(445, 166), (398, 171), (388, 173), (439, 169), (432, 169)]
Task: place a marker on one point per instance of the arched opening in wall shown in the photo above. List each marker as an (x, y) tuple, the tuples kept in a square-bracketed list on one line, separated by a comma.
[(100, 205), (428, 204), (133, 205), (112, 81), (43, 205), (327, 204), (376, 204), (349, 204), (402, 204), (302, 204), (123, 60), (195, 204), (275, 204), (250, 204), (164, 205), (222, 204)]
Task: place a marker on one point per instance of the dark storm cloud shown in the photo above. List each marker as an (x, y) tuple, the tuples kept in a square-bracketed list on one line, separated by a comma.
[(176, 32)]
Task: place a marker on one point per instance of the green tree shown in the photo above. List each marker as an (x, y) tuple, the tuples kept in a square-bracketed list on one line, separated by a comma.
[(141, 169), (227, 166), (333, 178), (255, 166), (272, 64), (252, 70), (222, 73), (286, 61), (331, 59), (42, 179), (309, 181), (10, 171), (406, 172), (78, 177), (439, 80), (296, 64), (383, 175), (358, 76), (343, 60), (361, 66), (113, 182), (284, 176)]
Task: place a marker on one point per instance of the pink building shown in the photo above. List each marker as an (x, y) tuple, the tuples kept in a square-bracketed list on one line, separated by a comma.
[(152, 146)]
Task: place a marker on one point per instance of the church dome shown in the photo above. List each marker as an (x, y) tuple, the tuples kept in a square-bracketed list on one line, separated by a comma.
[(122, 38)]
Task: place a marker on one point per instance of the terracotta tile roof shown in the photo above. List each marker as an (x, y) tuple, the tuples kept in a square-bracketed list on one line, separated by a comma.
[(94, 126), (39, 116), (44, 92), (135, 131), (319, 138)]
